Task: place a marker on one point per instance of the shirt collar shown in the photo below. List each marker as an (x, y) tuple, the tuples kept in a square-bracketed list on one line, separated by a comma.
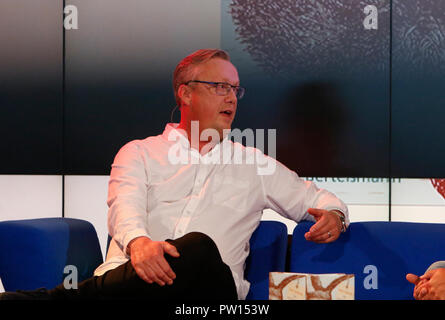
[(175, 135), (171, 133)]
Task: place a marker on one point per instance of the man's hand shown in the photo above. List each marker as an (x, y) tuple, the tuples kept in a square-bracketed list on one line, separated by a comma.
[(327, 227), (147, 258), (430, 286)]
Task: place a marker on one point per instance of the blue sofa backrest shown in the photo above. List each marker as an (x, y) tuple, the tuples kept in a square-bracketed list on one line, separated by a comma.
[(34, 253), (379, 254)]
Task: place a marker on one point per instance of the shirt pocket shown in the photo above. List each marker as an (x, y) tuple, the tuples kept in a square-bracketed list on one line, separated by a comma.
[(231, 192), (170, 188)]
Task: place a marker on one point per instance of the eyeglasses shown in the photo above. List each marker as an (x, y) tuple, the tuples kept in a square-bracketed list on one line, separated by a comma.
[(223, 88)]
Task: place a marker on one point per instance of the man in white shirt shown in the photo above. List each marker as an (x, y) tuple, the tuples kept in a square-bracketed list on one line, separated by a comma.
[(205, 193)]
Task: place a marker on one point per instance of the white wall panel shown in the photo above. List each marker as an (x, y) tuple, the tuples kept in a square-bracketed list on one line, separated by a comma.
[(271, 215), (358, 213), (426, 214), (418, 200), (418, 192), (30, 197), (86, 198), (356, 191)]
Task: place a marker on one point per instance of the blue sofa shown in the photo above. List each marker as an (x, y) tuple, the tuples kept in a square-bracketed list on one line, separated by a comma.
[(34, 253)]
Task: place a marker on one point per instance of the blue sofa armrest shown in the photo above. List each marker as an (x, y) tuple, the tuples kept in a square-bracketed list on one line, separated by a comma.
[(268, 246)]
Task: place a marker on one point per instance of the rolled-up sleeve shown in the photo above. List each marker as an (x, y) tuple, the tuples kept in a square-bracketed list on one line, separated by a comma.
[(436, 265), (291, 196), (127, 195)]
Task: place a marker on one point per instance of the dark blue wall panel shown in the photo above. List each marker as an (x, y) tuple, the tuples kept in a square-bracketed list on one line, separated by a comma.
[(341, 104), (31, 86), (418, 88)]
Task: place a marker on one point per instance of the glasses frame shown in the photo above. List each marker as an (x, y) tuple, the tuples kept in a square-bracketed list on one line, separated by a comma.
[(239, 91)]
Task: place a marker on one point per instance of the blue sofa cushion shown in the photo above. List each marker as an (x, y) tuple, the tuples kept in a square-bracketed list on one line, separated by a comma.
[(392, 249)]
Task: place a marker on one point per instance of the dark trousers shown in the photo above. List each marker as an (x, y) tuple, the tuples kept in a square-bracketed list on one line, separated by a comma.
[(200, 274)]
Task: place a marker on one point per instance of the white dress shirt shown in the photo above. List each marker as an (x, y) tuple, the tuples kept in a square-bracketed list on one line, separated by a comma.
[(150, 196)]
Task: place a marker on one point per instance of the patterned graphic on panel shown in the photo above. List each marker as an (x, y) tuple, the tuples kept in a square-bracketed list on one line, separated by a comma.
[(418, 80), (288, 36), (318, 72), (419, 34), (439, 185)]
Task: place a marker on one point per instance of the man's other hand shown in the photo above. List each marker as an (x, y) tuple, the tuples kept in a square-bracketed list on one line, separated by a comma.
[(147, 258), (430, 286), (327, 227)]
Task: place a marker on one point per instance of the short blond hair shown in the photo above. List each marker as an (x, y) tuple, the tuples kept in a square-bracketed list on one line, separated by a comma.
[(185, 69)]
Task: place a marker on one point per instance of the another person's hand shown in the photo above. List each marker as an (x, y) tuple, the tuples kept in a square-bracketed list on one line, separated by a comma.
[(327, 227), (430, 286), (419, 289), (147, 258)]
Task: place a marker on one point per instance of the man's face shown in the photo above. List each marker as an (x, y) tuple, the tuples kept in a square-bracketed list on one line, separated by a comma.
[(205, 105)]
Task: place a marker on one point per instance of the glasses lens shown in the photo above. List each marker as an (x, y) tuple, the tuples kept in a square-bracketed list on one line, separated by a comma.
[(239, 91), (224, 89)]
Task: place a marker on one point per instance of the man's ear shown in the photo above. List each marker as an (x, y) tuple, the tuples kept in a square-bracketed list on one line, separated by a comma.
[(185, 94)]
